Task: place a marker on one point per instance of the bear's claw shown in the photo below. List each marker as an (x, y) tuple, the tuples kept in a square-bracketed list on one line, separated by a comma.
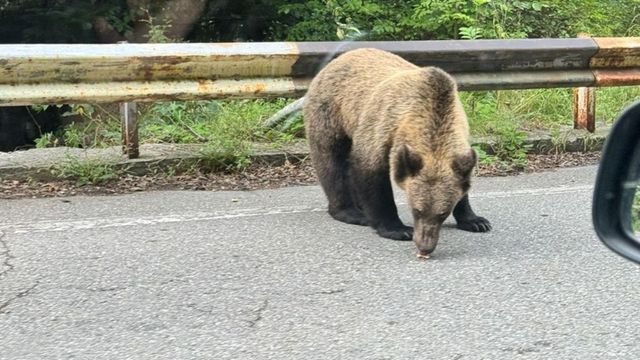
[(477, 224), (400, 232)]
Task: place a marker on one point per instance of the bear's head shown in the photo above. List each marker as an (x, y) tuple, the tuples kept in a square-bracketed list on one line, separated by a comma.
[(433, 184)]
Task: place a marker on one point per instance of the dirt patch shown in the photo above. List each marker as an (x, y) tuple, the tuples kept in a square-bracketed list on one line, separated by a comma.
[(541, 162), (253, 178)]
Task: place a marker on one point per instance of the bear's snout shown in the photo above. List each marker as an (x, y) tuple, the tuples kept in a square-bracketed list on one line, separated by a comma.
[(425, 236)]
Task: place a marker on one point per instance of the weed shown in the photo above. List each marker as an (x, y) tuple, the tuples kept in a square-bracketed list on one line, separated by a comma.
[(224, 155), (483, 157), (157, 29), (205, 121), (85, 172), (558, 140), (611, 101), (292, 128), (590, 142), (98, 128), (488, 118), (46, 140), (510, 147)]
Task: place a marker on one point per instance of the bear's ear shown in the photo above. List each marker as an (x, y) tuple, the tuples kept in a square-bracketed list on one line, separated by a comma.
[(464, 163), (408, 163)]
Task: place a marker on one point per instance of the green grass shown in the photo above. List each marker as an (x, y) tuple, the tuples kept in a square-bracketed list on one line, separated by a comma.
[(227, 155), (206, 121), (611, 101), (227, 128), (508, 115), (85, 172), (176, 122), (543, 109)]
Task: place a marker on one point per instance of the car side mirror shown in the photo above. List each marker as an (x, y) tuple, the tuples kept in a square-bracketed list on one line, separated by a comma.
[(614, 213)]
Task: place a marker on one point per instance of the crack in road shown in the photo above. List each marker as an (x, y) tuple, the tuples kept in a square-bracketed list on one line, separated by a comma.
[(5, 252), (20, 295), (328, 292), (103, 289), (258, 311)]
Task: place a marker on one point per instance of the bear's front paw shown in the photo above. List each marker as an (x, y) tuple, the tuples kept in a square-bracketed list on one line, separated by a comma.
[(396, 232), (476, 224)]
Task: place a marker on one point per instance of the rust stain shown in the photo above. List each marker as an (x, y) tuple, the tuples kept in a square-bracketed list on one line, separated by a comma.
[(584, 108), (259, 88), (616, 53), (622, 59), (617, 77), (135, 68), (203, 86)]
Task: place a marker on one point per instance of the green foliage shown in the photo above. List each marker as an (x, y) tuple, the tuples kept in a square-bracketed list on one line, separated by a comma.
[(225, 155), (73, 21), (483, 157), (611, 101), (92, 126), (510, 146), (411, 19), (635, 213), (209, 121), (157, 29), (470, 33), (46, 140), (451, 19), (85, 172)]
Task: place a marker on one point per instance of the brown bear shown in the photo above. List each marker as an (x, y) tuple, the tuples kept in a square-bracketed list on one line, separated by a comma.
[(371, 116)]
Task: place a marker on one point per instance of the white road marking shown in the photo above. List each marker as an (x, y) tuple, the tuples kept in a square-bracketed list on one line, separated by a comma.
[(534, 192), (99, 223), (115, 222)]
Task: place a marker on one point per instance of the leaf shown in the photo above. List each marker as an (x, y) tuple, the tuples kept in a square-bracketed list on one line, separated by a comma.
[(480, 2)]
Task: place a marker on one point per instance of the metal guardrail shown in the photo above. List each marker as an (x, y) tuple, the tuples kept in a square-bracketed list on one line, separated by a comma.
[(57, 74)]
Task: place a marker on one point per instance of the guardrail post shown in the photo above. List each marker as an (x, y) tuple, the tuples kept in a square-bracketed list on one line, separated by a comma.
[(128, 115), (584, 104), (584, 108)]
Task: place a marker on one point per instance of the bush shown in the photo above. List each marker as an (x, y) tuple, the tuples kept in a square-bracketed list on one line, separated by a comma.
[(453, 19)]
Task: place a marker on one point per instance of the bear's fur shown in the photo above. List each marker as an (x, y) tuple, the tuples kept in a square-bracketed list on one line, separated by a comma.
[(371, 116)]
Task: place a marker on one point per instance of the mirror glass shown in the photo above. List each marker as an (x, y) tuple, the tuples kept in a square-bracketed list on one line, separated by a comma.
[(630, 215), (631, 196), (635, 213)]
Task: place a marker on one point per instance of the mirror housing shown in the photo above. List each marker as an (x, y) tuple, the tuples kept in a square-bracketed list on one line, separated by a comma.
[(616, 185)]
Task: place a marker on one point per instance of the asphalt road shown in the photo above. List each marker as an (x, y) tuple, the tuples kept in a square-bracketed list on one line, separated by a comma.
[(268, 275)]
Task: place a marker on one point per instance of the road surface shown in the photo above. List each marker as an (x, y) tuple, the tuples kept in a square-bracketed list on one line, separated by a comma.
[(268, 275)]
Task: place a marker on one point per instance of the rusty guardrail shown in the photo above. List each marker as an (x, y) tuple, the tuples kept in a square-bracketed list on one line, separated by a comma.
[(57, 74)]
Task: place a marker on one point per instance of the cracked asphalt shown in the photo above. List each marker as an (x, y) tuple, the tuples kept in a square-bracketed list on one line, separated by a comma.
[(268, 275)]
